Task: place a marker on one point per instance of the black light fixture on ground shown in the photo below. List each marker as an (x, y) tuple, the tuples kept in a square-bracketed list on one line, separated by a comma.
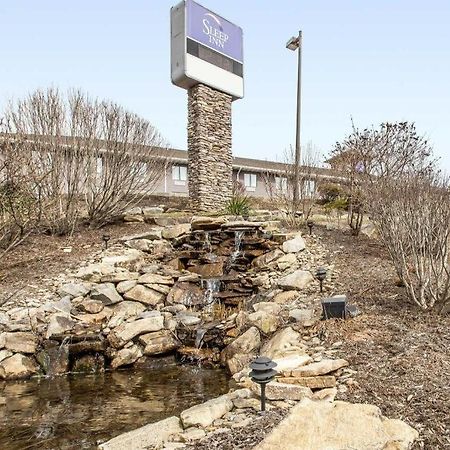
[(310, 225), (321, 274), (263, 373), (293, 44), (106, 238)]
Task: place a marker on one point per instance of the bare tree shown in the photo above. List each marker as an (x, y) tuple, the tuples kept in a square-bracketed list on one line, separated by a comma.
[(370, 155), (81, 157), (280, 186)]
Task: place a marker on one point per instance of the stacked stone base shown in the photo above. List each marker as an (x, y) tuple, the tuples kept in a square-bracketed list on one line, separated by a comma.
[(209, 148)]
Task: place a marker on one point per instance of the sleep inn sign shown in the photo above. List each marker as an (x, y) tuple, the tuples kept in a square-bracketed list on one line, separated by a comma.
[(206, 48)]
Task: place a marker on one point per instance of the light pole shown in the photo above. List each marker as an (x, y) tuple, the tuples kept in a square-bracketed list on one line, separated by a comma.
[(293, 44)]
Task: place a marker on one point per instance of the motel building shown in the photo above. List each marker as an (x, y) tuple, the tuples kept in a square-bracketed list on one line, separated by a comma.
[(259, 178)]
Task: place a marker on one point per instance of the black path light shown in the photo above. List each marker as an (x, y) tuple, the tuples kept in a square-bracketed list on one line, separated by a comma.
[(321, 274), (263, 373), (106, 238), (310, 225)]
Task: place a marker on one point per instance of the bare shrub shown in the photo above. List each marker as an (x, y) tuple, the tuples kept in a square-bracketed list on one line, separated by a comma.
[(280, 187), (368, 156), (412, 214), (78, 158)]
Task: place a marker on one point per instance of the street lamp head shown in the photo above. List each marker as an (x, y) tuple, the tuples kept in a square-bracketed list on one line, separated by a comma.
[(293, 43)]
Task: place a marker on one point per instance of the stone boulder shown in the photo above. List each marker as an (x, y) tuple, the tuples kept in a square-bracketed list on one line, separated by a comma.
[(123, 311), (286, 297), (268, 307), (106, 293), (148, 436), (158, 343), (283, 391), (74, 289), (153, 278), (287, 261), (176, 230), (320, 368), (126, 356), (264, 321), (338, 426), (21, 342), (125, 332), (91, 306), (144, 295), (289, 363), (17, 367), (267, 258), (286, 342), (59, 324), (206, 413), (299, 279), (295, 245), (131, 259), (239, 353), (206, 223), (186, 293)]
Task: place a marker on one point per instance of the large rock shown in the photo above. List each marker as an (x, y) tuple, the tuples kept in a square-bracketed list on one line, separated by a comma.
[(286, 342), (59, 324), (320, 368), (130, 259), (268, 307), (299, 279), (5, 354), (283, 391), (289, 363), (153, 278), (264, 321), (267, 258), (286, 297), (21, 342), (17, 367), (124, 333), (123, 311), (326, 381), (148, 436), (125, 286), (118, 277), (74, 289), (184, 293), (2, 340), (238, 354), (338, 426), (176, 230), (206, 413), (287, 261), (54, 360), (152, 234), (158, 343), (144, 295), (106, 293), (126, 356), (294, 245), (91, 306), (206, 223)]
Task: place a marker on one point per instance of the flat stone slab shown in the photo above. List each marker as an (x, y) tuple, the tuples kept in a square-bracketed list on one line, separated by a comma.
[(338, 426), (319, 368), (148, 436), (327, 381), (206, 413)]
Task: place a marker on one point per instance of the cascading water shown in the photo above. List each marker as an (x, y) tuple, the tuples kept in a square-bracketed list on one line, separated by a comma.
[(211, 286), (238, 235)]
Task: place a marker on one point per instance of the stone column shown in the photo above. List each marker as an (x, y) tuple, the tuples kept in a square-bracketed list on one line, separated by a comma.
[(210, 161)]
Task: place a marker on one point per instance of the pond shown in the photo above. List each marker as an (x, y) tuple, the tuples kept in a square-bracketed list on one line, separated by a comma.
[(78, 411)]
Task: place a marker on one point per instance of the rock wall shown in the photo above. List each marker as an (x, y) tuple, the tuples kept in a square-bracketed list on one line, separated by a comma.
[(209, 148)]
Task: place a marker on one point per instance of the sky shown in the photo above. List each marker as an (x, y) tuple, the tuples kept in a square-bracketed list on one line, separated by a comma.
[(373, 61)]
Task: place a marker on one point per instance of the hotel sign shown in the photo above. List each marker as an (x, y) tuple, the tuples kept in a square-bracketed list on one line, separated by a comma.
[(206, 48)]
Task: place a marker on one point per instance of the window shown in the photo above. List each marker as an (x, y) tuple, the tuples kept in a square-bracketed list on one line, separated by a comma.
[(309, 188), (250, 181), (281, 184), (179, 174), (141, 171)]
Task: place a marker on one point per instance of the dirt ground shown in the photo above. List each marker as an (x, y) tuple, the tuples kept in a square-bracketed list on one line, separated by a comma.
[(402, 354), (30, 266)]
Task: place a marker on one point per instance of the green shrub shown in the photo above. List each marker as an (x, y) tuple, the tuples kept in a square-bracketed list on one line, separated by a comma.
[(239, 203)]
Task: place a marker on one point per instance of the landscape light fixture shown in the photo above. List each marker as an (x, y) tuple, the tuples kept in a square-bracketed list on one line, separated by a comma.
[(106, 238), (310, 225), (321, 274), (263, 373), (295, 43)]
